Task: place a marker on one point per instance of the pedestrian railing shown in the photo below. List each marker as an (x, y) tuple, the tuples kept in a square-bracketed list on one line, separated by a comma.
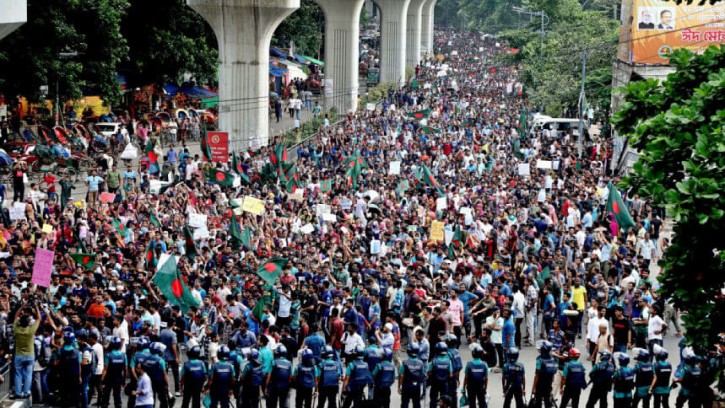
[(5, 385)]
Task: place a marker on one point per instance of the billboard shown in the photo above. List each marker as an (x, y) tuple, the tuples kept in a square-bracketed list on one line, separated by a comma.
[(219, 145), (654, 28)]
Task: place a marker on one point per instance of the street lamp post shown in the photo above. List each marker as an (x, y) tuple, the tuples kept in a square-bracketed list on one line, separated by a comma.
[(61, 55)]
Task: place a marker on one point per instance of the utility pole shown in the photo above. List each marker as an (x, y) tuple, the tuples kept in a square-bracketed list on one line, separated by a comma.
[(582, 98), (537, 14)]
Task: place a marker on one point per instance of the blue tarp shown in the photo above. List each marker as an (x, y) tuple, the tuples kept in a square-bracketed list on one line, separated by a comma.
[(5, 159), (276, 71), (171, 89), (196, 92), (277, 52), (299, 59)]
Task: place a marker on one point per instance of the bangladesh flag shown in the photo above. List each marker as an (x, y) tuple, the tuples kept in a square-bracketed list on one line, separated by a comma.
[(236, 234), (152, 156), (427, 178), (430, 130), (172, 286), (457, 242), (205, 147), (354, 164), (523, 122), (258, 310), (414, 83), (293, 179), (189, 244), (220, 177), (120, 228), (326, 185), (247, 238), (150, 256), (154, 220), (271, 269), (279, 156), (616, 207), (87, 260), (517, 150), (421, 114)]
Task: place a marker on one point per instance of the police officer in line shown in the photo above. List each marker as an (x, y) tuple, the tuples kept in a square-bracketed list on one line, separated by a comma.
[(252, 379), (475, 380), (383, 379), (329, 383), (373, 356), (688, 376), (221, 380), (88, 364), (193, 376), (440, 373), (139, 356), (573, 380), (662, 370), (546, 368), (69, 364), (306, 376), (279, 379), (237, 360), (623, 382), (357, 377), (513, 379), (601, 377), (114, 373), (155, 366), (643, 376), (411, 379), (455, 357)]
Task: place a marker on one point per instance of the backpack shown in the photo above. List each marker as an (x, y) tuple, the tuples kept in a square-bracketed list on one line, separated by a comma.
[(42, 352)]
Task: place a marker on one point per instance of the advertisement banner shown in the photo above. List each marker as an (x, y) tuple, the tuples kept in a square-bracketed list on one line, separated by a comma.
[(219, 144), (656, 28)]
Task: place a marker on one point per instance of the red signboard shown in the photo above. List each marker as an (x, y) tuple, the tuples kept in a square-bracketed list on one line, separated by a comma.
[(219, 145)]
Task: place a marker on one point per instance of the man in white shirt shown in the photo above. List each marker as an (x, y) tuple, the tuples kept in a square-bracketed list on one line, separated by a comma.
[(518, 307), (120, 330), (655, 328), (352, 341), (593, 328)]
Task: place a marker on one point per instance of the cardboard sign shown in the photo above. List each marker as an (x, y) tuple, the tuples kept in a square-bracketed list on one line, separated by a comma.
[(42, 267), (543, 164), (375, 246), (298, 195), (441, 203), (322, 209), (219, 145), (201, 233), (524, 169), (16, 213), (329, 218), (253, 205), (197, 220), (370, 107), (154, 186), (307, 229), (436, 231), (465, 210), (47, 228), (107, 197), (394, 168), (345, 203)]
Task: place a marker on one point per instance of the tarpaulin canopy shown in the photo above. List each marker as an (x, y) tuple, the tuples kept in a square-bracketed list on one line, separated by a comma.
[(277, 52), (276, 71), (5, 159), (171, 89), (212, 102), (196, 92), (313, 60)]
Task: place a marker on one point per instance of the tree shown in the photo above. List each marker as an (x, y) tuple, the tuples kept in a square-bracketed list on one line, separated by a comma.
[(168, 39), (677, 127), (32, 56), (490, 16), (304, 27)]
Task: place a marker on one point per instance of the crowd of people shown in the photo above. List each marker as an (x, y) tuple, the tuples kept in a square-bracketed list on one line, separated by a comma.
[(368, 293)]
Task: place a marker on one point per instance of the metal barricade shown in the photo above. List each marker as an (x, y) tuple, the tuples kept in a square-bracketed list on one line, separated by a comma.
[(5, 385)]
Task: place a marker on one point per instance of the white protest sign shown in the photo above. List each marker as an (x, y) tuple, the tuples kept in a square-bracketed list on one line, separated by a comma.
[(394, 168), (465, 210), (441, 203), (322, 209), (197, 220), (468, 219), (17, 213), (307, 229), (449, 236), (345, 203), (201, 233), (543, 164), (370, 107), (524, 169), (238, 211), (375, 246), (329, 217), (154, 186)]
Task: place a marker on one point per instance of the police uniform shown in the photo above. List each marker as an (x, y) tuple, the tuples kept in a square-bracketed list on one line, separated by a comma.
[(329, 383), (383, 378), (69, 361), (513, 378), (222, 381), (193, 376), (661, 391), (155, 367), (546, 368), (279, 383), (373, 356), (252, 380), (237, 361), (306, 380), (601, 377), (643, 376), (476, 381), (440, 371), (115, 376), (359, 377), (457, 364), (690, 376), (623, 384), (412, 377), (576, 381)]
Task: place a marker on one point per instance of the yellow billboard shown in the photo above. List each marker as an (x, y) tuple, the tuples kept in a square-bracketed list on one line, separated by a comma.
[(654, 28)]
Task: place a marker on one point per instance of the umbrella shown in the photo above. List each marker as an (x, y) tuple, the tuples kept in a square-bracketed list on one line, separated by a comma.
[(5, 159)]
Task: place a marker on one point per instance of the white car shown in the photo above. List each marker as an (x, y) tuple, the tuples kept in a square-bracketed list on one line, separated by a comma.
[(108, 129)]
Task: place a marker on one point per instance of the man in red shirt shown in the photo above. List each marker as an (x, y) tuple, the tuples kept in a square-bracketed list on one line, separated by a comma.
[(49, 183)]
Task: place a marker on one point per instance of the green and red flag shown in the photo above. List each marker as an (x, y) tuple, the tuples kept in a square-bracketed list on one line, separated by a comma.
[(152, 156), (616, 207), (150, 256), (205, 146), (421, 114), (120, 228), (325, 185), (354, 164), (293, 179), (457, 242), (189, 244), (427, 178), (87, 260), (220, 177), (236, 234), (258, 310), (271, 269), (169, 281), (279, 156), (430, 130), (247, 238), (154, 220), (517, 150)]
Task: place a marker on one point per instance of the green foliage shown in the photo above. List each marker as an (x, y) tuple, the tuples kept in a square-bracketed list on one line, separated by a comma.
[(30, 56), (447, 15), (304, 27), (677, 126), (168, 39), (490, 16), (308, 129), (376, 94)]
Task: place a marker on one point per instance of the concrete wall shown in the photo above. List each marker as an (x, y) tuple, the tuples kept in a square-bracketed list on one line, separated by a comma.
[(13, 14)]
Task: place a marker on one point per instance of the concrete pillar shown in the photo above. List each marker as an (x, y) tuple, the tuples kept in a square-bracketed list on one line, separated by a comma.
[(427, 27), (342, 51), (392, 37), (14, 14), (244, 29), (413, 32)]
